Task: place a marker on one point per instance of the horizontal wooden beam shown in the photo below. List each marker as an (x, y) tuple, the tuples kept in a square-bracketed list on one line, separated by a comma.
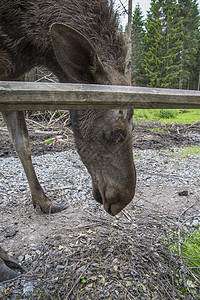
[(54, 96)]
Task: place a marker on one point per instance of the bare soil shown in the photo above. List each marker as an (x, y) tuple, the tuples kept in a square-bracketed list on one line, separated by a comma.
[(147, 135), (82, 253)]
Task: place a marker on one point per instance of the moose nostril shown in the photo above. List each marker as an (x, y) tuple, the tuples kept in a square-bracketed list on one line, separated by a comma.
[(109, 210), (97, 195)]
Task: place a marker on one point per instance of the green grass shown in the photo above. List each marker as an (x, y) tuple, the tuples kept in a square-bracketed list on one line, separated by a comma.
[(190, 251), (169, 116), (158, 130), (185, 152)]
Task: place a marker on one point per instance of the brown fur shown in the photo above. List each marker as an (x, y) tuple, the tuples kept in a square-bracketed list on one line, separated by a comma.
[(24, 31), (6, 65)]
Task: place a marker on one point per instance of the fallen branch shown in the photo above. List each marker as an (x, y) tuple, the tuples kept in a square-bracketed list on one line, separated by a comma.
[(77, 281)]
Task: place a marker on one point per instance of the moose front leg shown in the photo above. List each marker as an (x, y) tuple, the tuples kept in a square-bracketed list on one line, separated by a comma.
[(18, 131)]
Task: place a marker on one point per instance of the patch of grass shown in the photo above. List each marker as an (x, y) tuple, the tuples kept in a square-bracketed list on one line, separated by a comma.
[(166, 113), (48, 141), (137, 157), (142, 114), (190, 251), (158, 130), (170, 116), (83, 279), (184, 152)]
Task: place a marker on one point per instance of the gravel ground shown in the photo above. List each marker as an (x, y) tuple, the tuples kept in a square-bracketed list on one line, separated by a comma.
[(83, 253), (63, 175)]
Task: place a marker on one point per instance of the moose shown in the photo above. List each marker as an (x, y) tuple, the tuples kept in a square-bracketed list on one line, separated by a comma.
[(80, 42)]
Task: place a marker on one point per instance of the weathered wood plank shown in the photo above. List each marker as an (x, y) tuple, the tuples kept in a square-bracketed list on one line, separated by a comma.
[(53, 96)]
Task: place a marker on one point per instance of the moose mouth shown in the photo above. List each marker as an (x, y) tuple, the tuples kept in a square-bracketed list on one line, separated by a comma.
[(112, 205), (99, 198)]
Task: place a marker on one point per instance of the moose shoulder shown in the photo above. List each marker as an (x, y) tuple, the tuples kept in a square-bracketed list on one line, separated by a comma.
[(79, 41)]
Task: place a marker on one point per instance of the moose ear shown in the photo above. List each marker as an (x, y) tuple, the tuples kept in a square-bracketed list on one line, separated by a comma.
[(76, 55)]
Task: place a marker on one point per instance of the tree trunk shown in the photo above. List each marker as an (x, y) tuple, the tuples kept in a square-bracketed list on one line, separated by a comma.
[(129, 39)]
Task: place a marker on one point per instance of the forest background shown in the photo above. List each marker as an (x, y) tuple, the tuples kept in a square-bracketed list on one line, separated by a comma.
[(166, 45)]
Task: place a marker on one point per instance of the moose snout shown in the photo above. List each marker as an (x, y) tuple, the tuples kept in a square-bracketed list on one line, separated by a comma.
[(114, 199)]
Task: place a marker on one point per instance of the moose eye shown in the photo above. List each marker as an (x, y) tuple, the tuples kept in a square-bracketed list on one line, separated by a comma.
[(118, 136)]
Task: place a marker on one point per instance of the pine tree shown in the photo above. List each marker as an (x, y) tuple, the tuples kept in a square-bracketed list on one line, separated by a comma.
[(172, 44), (172, 53), (190, 55), (154, 38), (138, 33)]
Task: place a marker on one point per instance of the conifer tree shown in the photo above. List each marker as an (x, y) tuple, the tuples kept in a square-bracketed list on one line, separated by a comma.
[(172, 44), (190, 55), (172, 41), (154, 38), (138, 33)]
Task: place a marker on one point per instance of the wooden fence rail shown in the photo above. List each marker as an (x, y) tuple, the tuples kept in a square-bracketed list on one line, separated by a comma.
[(54, 96)]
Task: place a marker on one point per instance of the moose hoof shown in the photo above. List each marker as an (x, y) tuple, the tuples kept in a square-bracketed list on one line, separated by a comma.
[(8, 262), (54, 208), (5, 272)]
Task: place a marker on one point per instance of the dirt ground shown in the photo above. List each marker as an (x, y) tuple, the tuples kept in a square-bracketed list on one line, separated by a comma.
[(147, 135), (82, 253)]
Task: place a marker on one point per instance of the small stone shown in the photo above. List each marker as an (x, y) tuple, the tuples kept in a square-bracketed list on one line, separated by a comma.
[(15, 295), (34, 265), (28, 258), (183, 193), (22, 188), (28, 289), (32, 246), (20, 258), (1, 291), (195, 223), (80, 270), (11, 233), (47, 266), (60, 267), (133, 226)]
